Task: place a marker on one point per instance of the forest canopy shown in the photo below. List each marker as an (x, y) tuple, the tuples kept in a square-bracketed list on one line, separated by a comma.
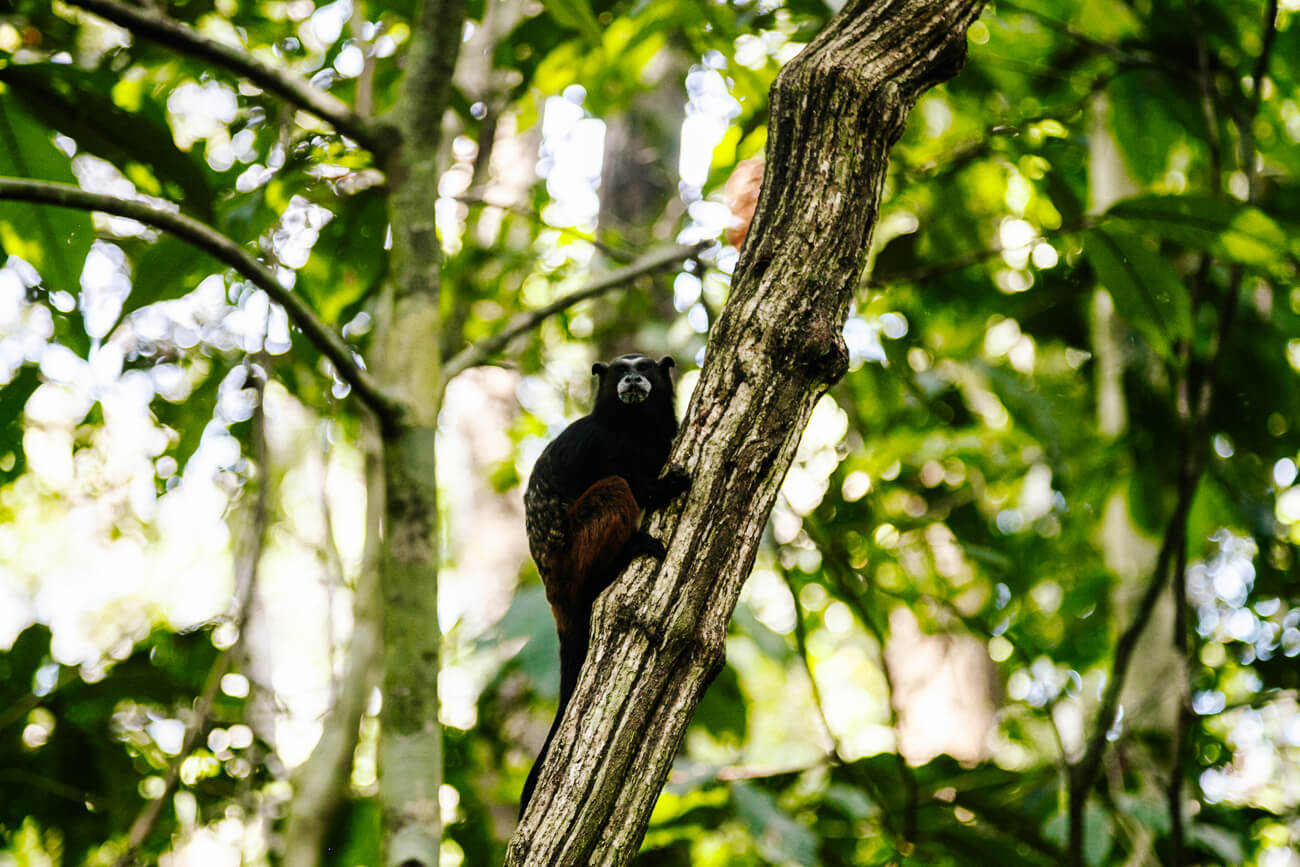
[(1028, 594)]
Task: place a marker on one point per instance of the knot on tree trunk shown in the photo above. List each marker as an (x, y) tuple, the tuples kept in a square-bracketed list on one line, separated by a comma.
[(708, 645), (817, 349), (625, 606)]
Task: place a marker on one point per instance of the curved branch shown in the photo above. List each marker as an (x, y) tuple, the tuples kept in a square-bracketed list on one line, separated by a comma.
[(480, 352), (217, 245), (292, 88)]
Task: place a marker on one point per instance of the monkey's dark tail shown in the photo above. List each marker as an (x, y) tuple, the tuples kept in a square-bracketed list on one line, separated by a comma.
[(573, 651)]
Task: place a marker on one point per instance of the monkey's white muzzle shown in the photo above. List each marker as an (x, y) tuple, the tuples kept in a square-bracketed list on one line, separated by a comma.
[(633, 388)]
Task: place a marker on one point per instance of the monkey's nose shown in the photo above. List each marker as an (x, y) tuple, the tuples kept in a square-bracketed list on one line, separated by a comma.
[(633, 389)]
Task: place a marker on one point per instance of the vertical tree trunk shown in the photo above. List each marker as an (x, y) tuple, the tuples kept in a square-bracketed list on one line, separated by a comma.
[(408, 344), (659, 632)]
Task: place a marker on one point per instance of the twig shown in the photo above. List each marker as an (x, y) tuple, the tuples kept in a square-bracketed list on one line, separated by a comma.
[(473, 198), (1212, 141), (801, 644), (1061, 27), (480, 352), (1174, 794), (834, 558), (1205, 395), (161, 28), (938, 269), (1257, 75), (222, 248), (1084, 773), (837, 753), (245, 581), (963, 154), (322, 782)]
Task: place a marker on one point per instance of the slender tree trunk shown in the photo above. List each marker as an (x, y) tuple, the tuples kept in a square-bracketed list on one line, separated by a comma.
[(659, 633), (408, 354)]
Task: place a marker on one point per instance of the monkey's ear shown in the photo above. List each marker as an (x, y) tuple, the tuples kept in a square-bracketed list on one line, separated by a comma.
[(599, 368), (666, 363)]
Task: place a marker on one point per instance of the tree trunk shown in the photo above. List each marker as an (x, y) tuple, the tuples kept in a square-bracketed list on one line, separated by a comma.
[(409, 361), (658, 635)]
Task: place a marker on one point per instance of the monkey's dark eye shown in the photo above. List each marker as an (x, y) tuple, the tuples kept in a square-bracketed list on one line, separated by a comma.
[(643, 366)]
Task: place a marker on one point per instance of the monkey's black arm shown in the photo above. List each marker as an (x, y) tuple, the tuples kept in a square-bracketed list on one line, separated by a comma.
[(660, 491)]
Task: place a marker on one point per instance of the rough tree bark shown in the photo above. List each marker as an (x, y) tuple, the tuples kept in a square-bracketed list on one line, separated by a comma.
[(659, 633)]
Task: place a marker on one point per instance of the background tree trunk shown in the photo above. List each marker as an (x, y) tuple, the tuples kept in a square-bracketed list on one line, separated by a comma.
[(659, 633), (408, 350)]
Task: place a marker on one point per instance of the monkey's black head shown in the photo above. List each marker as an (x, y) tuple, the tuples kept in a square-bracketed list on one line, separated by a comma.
[(634, 381)]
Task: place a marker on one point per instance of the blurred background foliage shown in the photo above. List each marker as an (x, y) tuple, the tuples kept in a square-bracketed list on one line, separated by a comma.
[(1075, 360)]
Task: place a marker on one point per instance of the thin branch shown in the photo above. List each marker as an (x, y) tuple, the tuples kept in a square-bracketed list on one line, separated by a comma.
[(837, 753), (1118, 55), (1260, 69), (833, 556), (923, 273), (1191, 466), (801, 644), (482, 351), (322, 783), (1257, 76), (222, 248), (1174, 792), (245, 582), (161, 28), (1204, 390), (473, 198), (1205, 86), (1084, 773)]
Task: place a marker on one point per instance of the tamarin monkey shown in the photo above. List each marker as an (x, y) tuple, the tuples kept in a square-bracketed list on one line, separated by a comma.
[(584, 502)]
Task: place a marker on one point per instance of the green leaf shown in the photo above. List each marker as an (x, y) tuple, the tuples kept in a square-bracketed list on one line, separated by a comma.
[(575, 15), (19, 663), (529, 617), (1147, 292), (777, 836), (348, 259), (722, 711), (1229, 230), (1152, 812), (1151, 122), (82, 104), (167, 269), (54, 240), (356, 837), (1220, 841), (1098, 833), (13, 398), (1212, 509)]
